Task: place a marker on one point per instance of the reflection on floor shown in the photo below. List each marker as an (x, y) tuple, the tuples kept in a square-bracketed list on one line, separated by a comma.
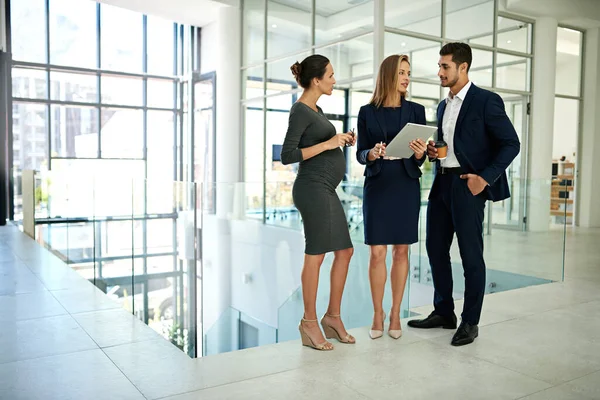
[(60, 338)]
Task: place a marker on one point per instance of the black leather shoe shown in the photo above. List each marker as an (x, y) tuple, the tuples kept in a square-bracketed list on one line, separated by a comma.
[(434, 321), (465, 334)]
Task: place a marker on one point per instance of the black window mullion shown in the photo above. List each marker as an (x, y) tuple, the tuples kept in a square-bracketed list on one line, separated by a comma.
[(145, 156), (346, 120), (9, 116), (48, 108), (98, 75)]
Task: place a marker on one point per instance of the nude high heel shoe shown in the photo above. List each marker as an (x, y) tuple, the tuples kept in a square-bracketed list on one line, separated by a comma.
[(395, 333), (375, 333), (308, 342), (332, 333)]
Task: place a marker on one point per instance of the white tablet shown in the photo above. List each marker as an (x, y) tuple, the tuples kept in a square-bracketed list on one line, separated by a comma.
[(399, 145)]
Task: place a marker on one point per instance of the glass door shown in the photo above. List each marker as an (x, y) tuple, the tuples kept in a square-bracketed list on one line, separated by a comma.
[(510, 213)]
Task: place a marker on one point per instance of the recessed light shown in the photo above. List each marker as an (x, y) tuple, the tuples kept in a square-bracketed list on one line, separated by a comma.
[(403, 44), (274, 26), (509, 41)]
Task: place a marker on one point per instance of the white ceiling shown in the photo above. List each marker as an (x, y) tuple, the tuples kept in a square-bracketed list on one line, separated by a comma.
[(578, 13), (325, 8), (193, 12)]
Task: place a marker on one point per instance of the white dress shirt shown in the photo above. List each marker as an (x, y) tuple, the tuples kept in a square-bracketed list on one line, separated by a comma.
[(453, 106)]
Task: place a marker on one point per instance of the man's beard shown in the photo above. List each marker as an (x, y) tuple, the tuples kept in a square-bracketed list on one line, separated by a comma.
[(449, 83)]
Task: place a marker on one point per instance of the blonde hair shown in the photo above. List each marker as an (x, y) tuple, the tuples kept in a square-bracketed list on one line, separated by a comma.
[(387, 79)]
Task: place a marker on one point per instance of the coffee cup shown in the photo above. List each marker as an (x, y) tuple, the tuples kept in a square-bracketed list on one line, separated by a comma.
[(442, 149)]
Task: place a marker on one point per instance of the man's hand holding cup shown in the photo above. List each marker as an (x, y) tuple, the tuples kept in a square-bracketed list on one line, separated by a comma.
[(437, 150)]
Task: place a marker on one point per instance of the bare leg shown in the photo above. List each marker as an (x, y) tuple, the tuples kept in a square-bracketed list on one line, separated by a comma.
[(339, 272), (398, 278), (310, 284), (377, 277)]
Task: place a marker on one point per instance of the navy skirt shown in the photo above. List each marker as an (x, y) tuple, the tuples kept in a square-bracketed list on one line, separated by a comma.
[(391, 205)]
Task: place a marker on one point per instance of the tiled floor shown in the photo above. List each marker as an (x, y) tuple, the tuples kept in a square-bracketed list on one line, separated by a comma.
[(60, 338)]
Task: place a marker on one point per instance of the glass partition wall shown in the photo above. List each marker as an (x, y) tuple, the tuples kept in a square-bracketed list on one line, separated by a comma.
[(278, 33), (568, 99), (356, 36)]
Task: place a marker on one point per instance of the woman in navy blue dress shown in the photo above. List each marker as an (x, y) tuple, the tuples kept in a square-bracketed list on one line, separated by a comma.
[(391, 194)]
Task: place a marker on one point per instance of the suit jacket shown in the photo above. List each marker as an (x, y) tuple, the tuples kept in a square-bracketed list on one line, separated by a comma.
[(485, 141), (371, 126)]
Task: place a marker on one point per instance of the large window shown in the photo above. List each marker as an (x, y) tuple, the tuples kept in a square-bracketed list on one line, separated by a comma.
[(63, 108), (278, 33), (341, 32), (95, 92)]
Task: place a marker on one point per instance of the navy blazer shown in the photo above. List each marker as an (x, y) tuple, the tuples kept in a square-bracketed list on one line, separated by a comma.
[(485, 141), (371, 127)]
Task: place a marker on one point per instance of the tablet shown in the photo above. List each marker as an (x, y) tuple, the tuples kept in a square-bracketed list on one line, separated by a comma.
[(399, 145)]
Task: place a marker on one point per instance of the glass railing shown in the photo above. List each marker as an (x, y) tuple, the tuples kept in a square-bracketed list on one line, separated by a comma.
[(517, 252), (139, 249), (216, 268), (357, 308)]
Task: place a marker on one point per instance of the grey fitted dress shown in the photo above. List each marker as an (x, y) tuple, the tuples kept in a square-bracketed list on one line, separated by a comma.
[(325, 224)]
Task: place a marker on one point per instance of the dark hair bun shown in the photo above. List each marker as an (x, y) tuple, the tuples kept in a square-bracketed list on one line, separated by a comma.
[(296, 70), (311, 67)]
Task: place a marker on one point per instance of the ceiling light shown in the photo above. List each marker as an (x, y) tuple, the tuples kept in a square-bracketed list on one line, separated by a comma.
[(274, 26), (509, 41), (403, 44)]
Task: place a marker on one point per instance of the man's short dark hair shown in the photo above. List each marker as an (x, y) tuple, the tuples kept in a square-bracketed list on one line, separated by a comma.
[(461, 52)]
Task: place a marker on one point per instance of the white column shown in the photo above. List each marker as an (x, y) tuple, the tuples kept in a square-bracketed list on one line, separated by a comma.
[(378, 36), (542, 125), (589, 168), (228, 54), (216, 239)]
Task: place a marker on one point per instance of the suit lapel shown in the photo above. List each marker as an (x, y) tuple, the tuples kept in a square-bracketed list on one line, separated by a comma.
[(405, 111), (440, 119), (464, 108), (380, 121)]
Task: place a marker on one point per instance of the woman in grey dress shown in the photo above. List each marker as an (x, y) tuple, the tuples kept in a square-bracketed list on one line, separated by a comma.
[(312, 141)]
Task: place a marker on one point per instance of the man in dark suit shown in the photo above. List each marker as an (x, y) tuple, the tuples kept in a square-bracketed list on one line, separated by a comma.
[(482, 143)]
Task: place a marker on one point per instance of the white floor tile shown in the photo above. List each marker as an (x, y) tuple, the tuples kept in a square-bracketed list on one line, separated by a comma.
[(15, 278), (82, 300), (556, 346), (157, 368), (85, 375), (34, 338), (114, 327), (29, 306), (291, 385), (555, 393), (588, 386), (63, 279)]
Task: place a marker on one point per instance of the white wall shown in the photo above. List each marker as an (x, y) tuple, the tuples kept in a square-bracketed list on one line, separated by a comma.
[(272, 258), (208, 50), (264, 271), (589, 170)]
